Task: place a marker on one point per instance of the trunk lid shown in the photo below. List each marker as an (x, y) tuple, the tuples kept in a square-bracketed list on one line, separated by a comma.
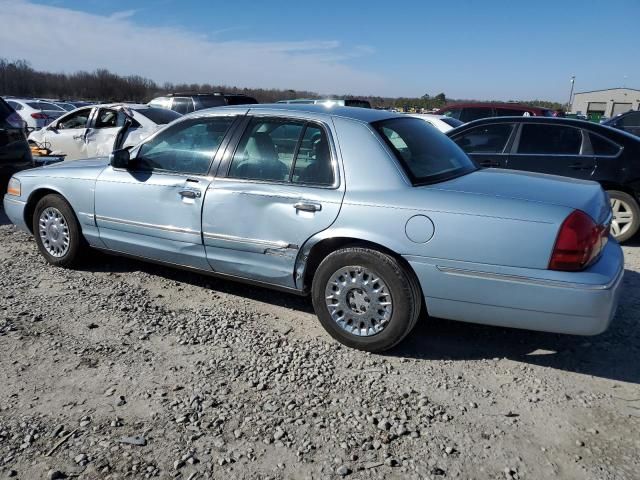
[(535, 187)]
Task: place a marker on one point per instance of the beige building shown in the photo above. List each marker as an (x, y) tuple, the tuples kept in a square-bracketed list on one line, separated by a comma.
[(607, 103)]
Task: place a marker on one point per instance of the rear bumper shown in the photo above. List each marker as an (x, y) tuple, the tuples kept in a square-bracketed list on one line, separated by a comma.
[(578, 303), (14, 209)]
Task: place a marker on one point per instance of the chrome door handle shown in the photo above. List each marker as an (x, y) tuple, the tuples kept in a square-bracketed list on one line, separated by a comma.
[(190, 193), (308, 206), (78, 137)]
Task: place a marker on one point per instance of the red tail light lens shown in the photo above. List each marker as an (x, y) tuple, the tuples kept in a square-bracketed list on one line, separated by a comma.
[(579, 242), (39, 116)]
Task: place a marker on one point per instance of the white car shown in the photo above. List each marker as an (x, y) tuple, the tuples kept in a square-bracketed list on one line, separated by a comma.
[(441, 122), (98, 130), (36, 113)]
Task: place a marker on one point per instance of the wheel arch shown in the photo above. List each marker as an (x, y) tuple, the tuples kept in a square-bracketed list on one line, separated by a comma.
[(33, 200), (314, 252)]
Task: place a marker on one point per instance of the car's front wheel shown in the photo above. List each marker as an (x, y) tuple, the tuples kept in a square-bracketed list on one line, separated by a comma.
[(365, 299), (57, 231), (626, 215)]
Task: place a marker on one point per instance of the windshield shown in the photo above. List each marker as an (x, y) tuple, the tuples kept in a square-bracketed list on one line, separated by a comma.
[(159, 116), (427, 155), (452, 122)]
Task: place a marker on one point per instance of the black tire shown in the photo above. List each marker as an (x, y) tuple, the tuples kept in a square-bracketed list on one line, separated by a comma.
[(630, 206), (76, 242), (402, 285)]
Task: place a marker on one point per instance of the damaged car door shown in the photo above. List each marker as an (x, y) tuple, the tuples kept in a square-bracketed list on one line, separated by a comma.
[(66, 136), (104, 129)]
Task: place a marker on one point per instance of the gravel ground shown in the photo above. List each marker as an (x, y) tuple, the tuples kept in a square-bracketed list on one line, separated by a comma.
[(129, 370)]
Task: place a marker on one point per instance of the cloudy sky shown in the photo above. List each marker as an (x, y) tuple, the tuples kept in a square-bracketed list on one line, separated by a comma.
[(468, 49)]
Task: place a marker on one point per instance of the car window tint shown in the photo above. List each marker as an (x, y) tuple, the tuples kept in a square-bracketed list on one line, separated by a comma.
[(510, 112), (109, 118), (159, 116), (630, 120), (452, 122), (75, 120), (475, 113), (485, 138), (266, 150), (186, 147), (208, 101), (550, 139), (182, 105), (426, 155), (602, 146), (313, 162), (15, 106)]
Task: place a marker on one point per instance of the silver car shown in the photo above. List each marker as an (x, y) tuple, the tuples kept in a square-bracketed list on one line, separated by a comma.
[(377, 215)]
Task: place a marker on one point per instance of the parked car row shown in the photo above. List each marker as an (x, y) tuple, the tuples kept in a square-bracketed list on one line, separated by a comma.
[(561, 146), (376, 215)]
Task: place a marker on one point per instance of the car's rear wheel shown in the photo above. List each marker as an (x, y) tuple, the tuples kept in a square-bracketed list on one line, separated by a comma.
[(57, 231), (365, 299), (626, 215)]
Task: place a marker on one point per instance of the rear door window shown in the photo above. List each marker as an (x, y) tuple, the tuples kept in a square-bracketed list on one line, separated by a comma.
[(266, 150), (545, 139), (485, 138), (630, 120), (603, 147), (475, 113)]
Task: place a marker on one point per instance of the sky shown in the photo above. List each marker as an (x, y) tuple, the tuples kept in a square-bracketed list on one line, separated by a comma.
[(471, 49)]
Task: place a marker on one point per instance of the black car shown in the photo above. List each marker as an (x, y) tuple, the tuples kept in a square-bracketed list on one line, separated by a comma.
[(562, 146), (190, 102), (629, 122), (15, 154)]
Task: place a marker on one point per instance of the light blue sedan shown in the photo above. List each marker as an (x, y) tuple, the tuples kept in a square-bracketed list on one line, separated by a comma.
[(378, 216)]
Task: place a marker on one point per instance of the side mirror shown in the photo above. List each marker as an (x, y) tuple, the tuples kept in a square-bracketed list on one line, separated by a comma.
[(120, 158)]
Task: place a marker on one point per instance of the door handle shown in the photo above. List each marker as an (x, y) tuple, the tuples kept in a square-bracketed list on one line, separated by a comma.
[(579, 166), (78, 137), (190, 193), (308, 207)]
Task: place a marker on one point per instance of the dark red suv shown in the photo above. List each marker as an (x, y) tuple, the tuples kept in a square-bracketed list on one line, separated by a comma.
[(467, 112)]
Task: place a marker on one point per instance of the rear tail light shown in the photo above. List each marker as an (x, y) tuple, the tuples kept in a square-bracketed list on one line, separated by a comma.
[(579, 242), (39, 116)]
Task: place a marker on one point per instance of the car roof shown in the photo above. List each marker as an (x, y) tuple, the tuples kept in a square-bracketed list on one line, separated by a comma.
[(507, 105), (367, 115)]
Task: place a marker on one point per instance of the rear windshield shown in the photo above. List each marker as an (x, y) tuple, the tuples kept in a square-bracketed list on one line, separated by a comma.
[(426, 155), (452, 122), (45, 106), (159, 116)]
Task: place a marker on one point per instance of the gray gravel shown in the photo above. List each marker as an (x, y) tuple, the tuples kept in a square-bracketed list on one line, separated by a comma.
[(128, 370)]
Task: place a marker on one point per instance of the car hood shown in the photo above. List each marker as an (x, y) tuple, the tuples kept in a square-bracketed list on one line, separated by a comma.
[(534, 187), (87, 169)]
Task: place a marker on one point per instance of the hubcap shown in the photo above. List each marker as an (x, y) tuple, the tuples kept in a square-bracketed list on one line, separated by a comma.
[(54, 232), (622, 217), (358, 301)]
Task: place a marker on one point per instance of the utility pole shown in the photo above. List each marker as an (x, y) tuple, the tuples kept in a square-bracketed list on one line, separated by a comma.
[(573, 80)]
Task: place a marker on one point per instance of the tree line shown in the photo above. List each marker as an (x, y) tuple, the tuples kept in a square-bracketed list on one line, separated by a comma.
[(19, 79)]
